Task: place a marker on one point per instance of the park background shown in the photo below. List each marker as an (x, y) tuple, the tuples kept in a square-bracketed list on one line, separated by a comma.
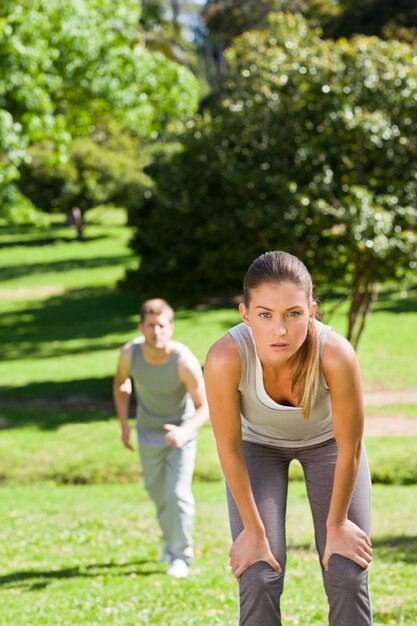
[(156, 148)]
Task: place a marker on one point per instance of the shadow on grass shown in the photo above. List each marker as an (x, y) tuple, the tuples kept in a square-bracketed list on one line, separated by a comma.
[(34, 580), (47, 415), (82, 314), (388, 302), (397, 615), (49, 241), (396, 548), (17, 271), (47, 329), (84, 393), (397, 306)]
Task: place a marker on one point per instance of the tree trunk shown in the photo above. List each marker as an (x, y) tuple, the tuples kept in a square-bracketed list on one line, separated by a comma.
[(77, 218), (371, 297), (329, 314), (363, 297), (175, 7), (356, 301)]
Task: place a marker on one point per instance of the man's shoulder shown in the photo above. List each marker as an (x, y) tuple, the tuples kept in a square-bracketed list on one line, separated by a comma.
[(182, 350), (188, 363), (129, 347)]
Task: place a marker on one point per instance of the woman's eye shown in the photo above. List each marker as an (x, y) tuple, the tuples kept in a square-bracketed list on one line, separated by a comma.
[(265, 315), (294, 313)]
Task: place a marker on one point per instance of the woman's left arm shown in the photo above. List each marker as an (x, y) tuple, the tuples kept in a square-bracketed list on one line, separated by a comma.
[(341, 369)]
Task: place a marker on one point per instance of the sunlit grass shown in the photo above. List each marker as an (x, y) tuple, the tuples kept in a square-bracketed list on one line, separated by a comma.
[(79, 541), (63, 320), (406, 410), (70, 446), (89, 555)]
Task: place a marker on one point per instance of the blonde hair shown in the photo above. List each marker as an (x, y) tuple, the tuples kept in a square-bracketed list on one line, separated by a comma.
[(276, 267), (156, 306)]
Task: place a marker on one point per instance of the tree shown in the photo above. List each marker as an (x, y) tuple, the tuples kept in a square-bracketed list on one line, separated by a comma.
[(104, 168), (169, 34), (383, 18), (226, 19), (309, 147), (65, 66)]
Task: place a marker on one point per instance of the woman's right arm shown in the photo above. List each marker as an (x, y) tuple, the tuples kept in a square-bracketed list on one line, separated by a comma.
[(222, 375)]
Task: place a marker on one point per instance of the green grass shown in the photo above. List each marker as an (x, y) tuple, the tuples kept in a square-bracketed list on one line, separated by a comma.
[(78, 447), (388, 348), (63, 321), (81, 447), (89, 555), (405, 410), (79, 541)]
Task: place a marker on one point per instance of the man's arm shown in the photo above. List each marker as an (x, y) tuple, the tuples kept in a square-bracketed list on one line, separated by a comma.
[(191, 375), (122, 390)]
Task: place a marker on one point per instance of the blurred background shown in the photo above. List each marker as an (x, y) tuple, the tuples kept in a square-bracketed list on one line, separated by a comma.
[(156, 148)]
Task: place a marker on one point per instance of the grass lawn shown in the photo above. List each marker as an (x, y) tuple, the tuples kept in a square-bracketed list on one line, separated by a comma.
[(63, 321), (80, 447), (406, 410), (89, 555), (80, 543)]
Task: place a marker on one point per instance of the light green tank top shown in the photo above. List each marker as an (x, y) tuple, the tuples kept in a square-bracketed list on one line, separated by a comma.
[(264, 421), (161, 398)]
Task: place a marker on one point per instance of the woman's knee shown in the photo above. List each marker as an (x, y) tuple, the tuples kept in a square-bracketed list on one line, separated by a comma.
[(260, 578), (345, 573)]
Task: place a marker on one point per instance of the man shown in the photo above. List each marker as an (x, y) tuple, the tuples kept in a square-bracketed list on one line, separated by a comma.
[(171, 407)]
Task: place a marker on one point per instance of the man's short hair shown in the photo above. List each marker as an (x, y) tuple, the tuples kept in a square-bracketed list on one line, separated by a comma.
[(156, 306)]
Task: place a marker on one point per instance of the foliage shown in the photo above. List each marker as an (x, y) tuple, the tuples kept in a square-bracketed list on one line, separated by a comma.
[(153, 14), (171, 34), (310, 146), (227, 19), (103, 169), (383, 18), (58, 79)]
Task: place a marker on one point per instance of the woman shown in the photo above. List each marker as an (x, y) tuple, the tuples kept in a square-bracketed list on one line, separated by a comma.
[(283, 386)]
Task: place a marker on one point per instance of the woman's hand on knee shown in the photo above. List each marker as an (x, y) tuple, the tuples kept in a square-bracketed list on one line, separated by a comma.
[(249, 548), (350, 541)]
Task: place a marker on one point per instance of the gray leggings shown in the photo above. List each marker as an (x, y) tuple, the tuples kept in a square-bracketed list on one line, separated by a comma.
[(345, 582)]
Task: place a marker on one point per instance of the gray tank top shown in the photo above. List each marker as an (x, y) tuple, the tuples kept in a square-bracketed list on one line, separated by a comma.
[(264, 421), (160, 395)]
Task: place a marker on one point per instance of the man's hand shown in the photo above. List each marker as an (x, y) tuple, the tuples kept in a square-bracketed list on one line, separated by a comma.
[(126, 437), (176, 436)]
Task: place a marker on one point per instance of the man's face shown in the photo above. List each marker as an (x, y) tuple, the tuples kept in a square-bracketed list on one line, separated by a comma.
[(157, 330)]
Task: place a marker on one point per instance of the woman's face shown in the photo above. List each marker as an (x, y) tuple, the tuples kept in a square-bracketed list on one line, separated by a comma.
[(278, 315)]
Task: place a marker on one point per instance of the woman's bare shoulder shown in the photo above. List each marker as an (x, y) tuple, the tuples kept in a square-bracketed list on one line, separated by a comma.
[(337, 347), (339, 356), (224, 354), (224, 349)]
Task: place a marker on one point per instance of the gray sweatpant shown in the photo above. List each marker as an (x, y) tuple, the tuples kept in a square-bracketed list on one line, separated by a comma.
[(345, 582), (168, 474)]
